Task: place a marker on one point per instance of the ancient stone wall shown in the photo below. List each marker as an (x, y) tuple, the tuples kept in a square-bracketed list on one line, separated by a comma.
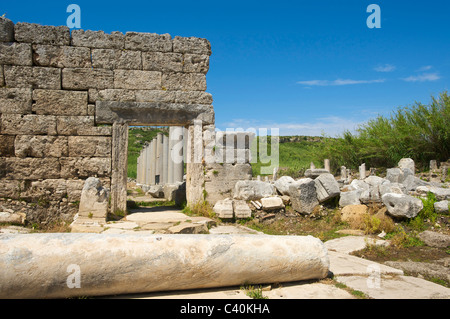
[(60, 94)]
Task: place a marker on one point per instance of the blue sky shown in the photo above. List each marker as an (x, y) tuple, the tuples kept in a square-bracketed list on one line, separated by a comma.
[(305, 67)]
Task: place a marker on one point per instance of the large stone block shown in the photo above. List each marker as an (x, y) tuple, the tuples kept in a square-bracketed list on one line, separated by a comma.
[(136, 79), (84, 79), (241, 209), (251, 190), (2, 76), (60, 102), (326, 187), (32, 77), (16, 124), (6, 30), (94, 199), (87, 146), (98, 39), (401, 205), (194, 97), (30, 168), (15, 101), (40, 146), (61, 56), (283, 183), (303, 195), (42, 34), (80, 125), (196, 63), (407, 163), (116, 59), (155, 96), (15, 54), (6, 145), (184, 81), (191, 45), (78, 167), (224, 208), (121, 95), (163, 62), (148, 42), (11, 188)]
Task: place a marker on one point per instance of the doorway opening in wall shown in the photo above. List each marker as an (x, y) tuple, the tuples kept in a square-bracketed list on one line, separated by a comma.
[(155, 169)]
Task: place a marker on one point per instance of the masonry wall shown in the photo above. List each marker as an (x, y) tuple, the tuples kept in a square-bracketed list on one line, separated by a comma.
[(50, 82)]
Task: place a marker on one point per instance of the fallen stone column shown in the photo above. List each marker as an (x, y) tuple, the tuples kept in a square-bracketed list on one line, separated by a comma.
[(68, 264)]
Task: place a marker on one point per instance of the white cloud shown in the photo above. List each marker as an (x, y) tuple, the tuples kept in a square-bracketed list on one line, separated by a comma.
[(338, 82), (425, 68), (422, 77), (330, 126), (385, 68)]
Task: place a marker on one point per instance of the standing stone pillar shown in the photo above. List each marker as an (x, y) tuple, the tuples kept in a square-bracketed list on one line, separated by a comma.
[(170, 171), (343, 172), (177, 153), (433, 165), (165, 160), (312, 166), (159, 151), (147, 165), (326, 164), (119, 167), (152, 162), (362, 171)]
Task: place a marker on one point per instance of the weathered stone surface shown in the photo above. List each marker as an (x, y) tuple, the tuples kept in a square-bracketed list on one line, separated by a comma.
[(434, 239), (439, 192), (371, 195), (195, 63), (392, 188), (10, 188), (407, 163), (120, 95), (80, 125), (40, 146), (15, 101), (29, 168), (32, 77), (241, 209), (28, 124), (119, 164), (89, 146), (272, 203), (2, 76), (251, 190), (315, 172), (7, 145), (184, 81), (98, 39), (412, 182), (41, 34), (326, 187), (224, 208), (179, 260), (15, 54), (85, 78), (78, 167), (60, 102), (61, 56), (116, 59), (359, 184), (398, 175), (303, 196), (156, 191), (94, 199), (155, 96), (163, 62), (152, 113), (442, 207), (283, 183), (148, 42), (136, 79), (400, 205), (352, 212), (375, 180), (350, 198), (12, 218), (6, 30), (191, 45), (193, 97)]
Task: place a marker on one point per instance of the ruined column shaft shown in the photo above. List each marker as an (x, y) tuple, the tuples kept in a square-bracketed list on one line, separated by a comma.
[(152, 162), (165, 160), (66, 265), (159, 151)]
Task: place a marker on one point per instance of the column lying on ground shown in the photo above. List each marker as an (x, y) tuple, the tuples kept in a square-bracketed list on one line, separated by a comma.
[(51, 265)]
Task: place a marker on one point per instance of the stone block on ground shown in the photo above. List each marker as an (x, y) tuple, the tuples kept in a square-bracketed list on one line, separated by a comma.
[(350, 198), (435, 239), (439, 192), (283, 183), (442, 207), (407, 163), (272, 203), (303, 196), (224, 208), (353, 212), (412, 182), (94, 199), (156, 191), (253, 190), (241, 209), (326, 187), (13, 218), (400, 205), (315, 172)]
